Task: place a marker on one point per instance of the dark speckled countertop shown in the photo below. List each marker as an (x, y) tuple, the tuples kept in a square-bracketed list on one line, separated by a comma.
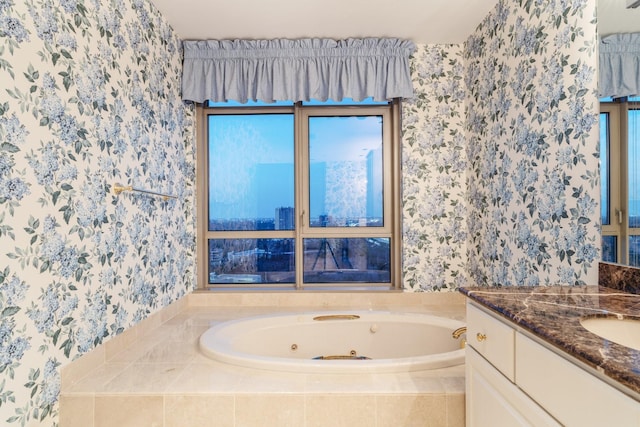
[(552, 313)]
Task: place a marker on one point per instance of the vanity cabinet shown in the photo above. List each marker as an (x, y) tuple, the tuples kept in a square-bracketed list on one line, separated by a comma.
[(512, 380), (492, 397), (572, 395)]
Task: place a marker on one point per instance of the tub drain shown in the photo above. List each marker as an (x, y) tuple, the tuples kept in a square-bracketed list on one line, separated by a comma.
[(341, 357)]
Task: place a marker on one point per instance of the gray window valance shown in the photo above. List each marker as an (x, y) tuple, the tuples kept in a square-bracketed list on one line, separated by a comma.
[(619, 68), (296, 70)]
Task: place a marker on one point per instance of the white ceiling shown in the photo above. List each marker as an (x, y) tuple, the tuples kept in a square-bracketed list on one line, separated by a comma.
[(423, 21), (614, 17), (428, 22)]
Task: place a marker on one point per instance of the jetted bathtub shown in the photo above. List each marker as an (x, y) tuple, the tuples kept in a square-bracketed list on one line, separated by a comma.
[(337, 342)]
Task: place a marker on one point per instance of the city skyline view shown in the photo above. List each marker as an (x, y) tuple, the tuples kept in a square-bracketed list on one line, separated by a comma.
[(253, 160)]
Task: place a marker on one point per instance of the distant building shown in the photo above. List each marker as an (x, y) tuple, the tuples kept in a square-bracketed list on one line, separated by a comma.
[(374, 185), (215, 256), (285, 218)]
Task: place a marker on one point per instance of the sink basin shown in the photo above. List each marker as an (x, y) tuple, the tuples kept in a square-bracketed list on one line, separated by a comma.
[(624, 331)]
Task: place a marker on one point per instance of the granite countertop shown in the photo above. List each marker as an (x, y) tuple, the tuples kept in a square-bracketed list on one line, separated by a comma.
[(552, 313)]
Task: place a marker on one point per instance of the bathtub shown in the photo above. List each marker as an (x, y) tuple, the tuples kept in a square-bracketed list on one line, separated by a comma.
[(336, 342)]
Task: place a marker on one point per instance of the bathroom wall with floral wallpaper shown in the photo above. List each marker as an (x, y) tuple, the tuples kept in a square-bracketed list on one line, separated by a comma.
[(499, 172), (532, 145), (434, 170), (89, 97), (500, 153)]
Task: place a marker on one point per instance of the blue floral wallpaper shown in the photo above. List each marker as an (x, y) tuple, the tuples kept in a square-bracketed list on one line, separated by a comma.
[(500, 172), (434, 169), (532, 145), (89, 97), (500, 153)]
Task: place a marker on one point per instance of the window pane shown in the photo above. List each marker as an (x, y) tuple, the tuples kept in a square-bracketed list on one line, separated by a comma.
[(634, 251), (609, 248), (634, 168), (347, 260), (345, 168), (605, 205), (251, 261), (251, 174)]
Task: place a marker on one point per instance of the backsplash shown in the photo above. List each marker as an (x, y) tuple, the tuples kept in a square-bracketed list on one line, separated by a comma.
[(621, 277)]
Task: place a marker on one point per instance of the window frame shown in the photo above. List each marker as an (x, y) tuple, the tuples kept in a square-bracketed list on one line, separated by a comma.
[(391, 228), (618, 112), (617, 161)]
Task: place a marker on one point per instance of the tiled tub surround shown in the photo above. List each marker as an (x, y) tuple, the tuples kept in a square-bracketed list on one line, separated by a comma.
[(553, 314), (156, 376)]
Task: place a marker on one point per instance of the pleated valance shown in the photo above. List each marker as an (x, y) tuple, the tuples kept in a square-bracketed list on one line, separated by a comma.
[(619, 65), (296, 70)]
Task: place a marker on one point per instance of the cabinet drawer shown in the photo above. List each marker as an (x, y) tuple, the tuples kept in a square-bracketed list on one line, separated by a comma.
[(492, 339), (493, 401), (569, 393)]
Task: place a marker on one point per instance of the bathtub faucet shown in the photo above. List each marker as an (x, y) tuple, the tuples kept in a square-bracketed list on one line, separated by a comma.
[(458, 333)]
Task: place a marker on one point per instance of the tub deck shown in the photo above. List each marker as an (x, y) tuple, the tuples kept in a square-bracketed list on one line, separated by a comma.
[(160, 378)]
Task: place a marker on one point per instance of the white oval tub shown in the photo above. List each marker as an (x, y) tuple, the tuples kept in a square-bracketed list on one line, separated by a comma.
[(392, 342)]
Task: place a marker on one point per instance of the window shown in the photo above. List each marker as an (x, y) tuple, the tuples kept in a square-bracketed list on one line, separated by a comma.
[(299, 196), (620, 180)]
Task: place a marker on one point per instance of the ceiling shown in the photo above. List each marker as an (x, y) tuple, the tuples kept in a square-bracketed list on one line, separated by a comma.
[(432, 21), (424, 22), (614, 17)]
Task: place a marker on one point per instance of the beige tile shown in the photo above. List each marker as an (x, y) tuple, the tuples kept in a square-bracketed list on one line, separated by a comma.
[(170, 352), (129, 411), (409, 382), (340, 410), (206, 377), (120, 342), (455, 410), (269, 410), (76, 411), (198, 411), (263, 381), (181, 318), (166, 359), (82, 366), (209, 299), (329, 383), (179, 332), (326, 300), (97, 379), (132, 353), (149, 324), (142, 378), (207, 316), (453, 379), (173, 309), (411, 410)]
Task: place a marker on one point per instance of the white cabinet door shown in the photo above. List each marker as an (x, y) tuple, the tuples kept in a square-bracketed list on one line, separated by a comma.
[(572, 395), (493, 401)]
